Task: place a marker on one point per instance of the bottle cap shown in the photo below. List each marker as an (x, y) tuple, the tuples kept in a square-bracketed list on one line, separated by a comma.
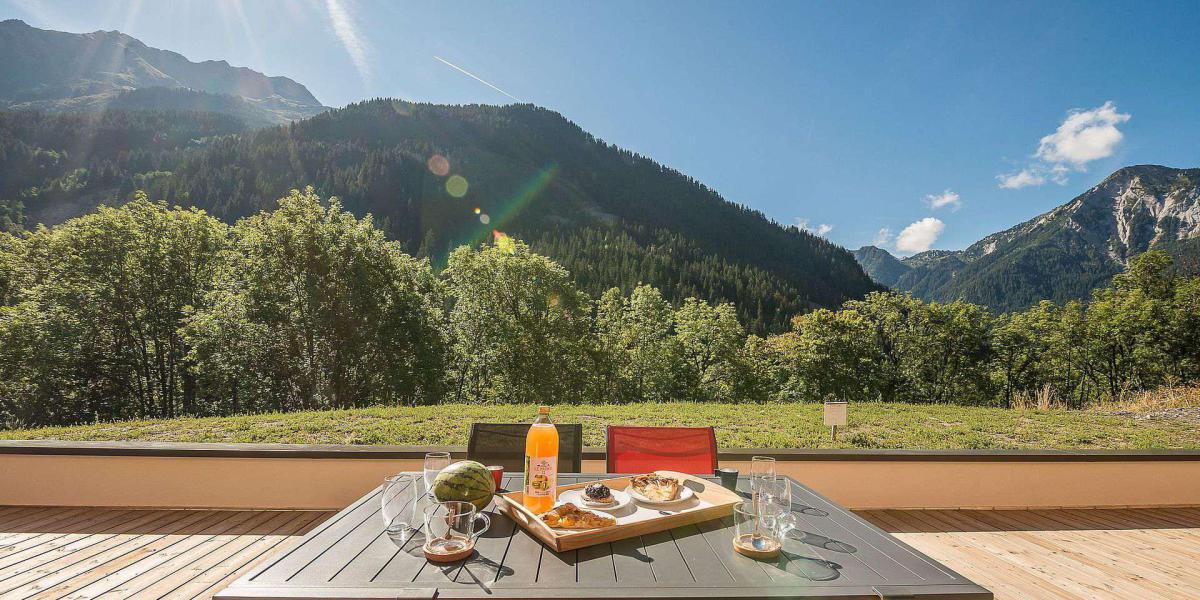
[(543, 409)]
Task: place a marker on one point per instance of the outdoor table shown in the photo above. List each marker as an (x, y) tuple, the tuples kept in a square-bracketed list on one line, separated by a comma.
[(832, 554)]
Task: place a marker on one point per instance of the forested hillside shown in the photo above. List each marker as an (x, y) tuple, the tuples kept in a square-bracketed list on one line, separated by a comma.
[(1067, 252), (436, 177)]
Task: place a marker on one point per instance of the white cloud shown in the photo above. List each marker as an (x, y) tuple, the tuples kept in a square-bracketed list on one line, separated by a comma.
[(821, 230), (920, 236), (883, 238), (1084, 136), (1020, 179), (347, 32), (944, 199)]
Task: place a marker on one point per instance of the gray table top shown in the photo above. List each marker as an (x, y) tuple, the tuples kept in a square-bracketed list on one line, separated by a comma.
[(832, 554)]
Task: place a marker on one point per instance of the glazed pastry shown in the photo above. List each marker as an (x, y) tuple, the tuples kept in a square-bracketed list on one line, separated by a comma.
[(569, 516), (656, 487)]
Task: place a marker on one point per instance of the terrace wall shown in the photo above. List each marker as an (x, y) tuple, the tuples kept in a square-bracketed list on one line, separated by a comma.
[(248, 476)]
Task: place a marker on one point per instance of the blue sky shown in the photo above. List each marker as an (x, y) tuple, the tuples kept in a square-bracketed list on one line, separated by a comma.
[(856, 116)]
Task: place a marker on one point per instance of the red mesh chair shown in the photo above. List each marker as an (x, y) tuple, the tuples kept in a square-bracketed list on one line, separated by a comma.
[(642, 449)]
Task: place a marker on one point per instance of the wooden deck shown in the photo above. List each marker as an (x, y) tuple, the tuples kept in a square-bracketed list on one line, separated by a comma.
[(1061, 554), (105, 553)]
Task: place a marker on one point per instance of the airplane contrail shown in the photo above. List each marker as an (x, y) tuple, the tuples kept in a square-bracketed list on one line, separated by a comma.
[(475, 77)]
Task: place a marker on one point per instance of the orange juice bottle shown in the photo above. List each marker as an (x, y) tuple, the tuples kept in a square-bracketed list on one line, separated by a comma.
[(541, 463)]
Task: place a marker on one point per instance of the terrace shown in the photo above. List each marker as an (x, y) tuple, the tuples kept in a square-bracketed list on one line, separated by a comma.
[(129, 520)]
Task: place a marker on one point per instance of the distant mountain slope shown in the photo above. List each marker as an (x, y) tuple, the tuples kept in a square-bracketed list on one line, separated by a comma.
[(57, 71), (612, 217), (1069, 251), (880, 265)]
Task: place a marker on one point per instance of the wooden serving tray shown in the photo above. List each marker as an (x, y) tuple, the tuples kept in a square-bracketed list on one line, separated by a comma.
[(711, 501)]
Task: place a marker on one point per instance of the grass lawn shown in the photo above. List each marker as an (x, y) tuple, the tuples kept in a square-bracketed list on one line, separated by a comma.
[(871, 425)]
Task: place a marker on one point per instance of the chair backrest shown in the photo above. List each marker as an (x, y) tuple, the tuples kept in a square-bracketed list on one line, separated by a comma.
[(504, 444), (643, 449)]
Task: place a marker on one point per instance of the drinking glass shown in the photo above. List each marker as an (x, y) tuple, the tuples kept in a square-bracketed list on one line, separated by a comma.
[(434, 463), (774, 502), (761, 467), (453, 526), (400, 495), (752, 533)]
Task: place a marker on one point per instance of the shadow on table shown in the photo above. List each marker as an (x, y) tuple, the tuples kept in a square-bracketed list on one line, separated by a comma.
[(820, 541), (483, 571), (814, 569)]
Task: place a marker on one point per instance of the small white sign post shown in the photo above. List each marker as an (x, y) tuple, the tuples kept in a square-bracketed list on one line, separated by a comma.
[(835, 416)]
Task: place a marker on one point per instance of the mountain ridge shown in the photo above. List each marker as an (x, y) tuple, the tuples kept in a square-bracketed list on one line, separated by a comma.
[(59, 71), (1068, 251)]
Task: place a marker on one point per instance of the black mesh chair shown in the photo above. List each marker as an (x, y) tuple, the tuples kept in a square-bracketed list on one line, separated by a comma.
[(504, 444)]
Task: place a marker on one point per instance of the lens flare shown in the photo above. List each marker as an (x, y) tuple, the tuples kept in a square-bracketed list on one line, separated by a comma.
[(438, 165), (477, 210), (456, 186), (485, 219)]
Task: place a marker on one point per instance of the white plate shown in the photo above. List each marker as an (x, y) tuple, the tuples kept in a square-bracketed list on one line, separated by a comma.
[(685, 493), (577, 498)]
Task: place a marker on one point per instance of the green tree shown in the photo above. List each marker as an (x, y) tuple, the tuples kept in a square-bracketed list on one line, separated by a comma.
[(520, 327), (709, 339), (637, 333), (1183, 344), (316, 309), (829, 355), (96, 329)]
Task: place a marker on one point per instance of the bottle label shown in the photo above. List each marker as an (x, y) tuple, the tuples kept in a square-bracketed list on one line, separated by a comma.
[(541, 476)]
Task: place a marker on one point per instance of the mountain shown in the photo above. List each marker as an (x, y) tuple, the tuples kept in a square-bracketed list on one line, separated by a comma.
[(435, 177), (58, 71), (880, 265), (1067, 252)]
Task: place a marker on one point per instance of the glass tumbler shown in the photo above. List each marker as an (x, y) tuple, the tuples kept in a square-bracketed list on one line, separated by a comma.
[(434, 463), (399, 500), (761, 467)]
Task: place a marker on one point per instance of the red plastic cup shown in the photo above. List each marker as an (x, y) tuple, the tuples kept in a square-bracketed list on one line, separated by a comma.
[(497, 474)]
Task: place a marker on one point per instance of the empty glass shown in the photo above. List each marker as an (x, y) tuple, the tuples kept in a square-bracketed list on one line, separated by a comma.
[(452, 527), (434, 463), (761, 467), (774, 502), (399, 501), (753, 534)]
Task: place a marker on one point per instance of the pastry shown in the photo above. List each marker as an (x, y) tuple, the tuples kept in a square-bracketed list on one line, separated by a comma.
[(569, 516), (598, 493), (656, 488)]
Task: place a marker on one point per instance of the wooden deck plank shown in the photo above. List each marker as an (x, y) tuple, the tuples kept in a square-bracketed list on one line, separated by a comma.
[(91, 582), (35, 543), (1045, 556), (154, 559), (94, 557), (87, 553), (1101, 553), (82, 549)]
